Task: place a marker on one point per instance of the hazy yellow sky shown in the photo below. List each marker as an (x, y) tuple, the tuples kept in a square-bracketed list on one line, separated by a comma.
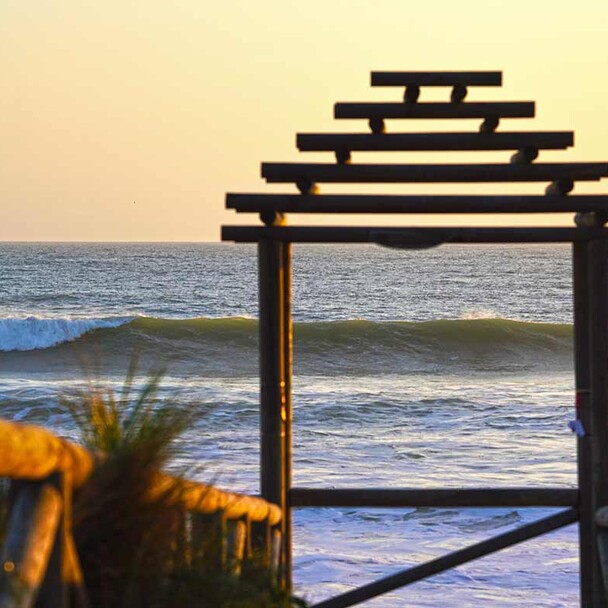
[(130, 119)]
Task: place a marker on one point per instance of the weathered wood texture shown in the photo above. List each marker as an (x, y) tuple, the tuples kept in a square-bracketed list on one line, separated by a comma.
[(397, 203), (33, 453), (422, 497), (434, 110), (436, 79), (420, 173), (392, 142)]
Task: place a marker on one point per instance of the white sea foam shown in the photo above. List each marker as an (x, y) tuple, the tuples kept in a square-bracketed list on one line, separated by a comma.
[(478, 313), (31, 333)]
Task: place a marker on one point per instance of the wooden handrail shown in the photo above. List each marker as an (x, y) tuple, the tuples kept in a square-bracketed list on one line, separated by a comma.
[(33, 453)]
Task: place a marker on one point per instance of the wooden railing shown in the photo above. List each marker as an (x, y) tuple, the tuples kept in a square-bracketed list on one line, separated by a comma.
[(39, 559)]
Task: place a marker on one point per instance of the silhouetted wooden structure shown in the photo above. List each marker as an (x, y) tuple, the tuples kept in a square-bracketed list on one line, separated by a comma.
[(590, 278)]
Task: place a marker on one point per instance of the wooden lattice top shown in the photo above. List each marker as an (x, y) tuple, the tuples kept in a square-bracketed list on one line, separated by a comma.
[(560, 177)]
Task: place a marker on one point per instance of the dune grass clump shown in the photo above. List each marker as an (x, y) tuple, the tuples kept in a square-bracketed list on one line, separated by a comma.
[(137, 550)]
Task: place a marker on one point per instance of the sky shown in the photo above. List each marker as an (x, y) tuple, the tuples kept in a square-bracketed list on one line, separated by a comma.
[(129, 120)]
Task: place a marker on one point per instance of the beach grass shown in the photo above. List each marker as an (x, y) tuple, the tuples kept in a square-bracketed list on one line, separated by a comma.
[(134, 551)]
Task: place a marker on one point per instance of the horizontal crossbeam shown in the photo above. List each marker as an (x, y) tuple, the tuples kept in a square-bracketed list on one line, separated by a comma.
[(446, 562), (477, 109), (397, 203), (409, 237), (454, 173), (436, 79), (392, 142), (424, 497)]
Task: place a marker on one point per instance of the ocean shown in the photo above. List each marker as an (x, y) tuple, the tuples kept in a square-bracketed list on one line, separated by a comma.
[(448, 367)]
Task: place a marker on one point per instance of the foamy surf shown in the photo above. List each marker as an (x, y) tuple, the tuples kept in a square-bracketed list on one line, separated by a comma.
[(33, 333)]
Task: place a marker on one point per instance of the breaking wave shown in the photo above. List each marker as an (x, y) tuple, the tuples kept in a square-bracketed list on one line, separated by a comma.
[(358, 347)]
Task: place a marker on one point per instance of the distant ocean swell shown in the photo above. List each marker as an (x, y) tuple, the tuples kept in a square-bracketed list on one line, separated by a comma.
[(229, 345)]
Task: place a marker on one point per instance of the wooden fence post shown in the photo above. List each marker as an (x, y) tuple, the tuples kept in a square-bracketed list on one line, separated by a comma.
[(32, 529)]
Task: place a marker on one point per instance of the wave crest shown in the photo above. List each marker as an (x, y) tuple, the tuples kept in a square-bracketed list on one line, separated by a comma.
[(229, 346), (33, 333)]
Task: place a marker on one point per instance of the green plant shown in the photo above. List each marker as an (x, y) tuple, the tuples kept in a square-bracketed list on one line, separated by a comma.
[(136, 551)]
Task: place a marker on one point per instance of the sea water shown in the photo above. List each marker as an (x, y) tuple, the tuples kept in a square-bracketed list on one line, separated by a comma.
[(449, 367)]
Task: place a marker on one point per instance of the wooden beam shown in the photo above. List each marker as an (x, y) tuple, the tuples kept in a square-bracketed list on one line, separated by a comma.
[(381, 235), (33, 453), (436, 79), (389, 203), (473, 109), (446, 562), (389, 142), (424, 497), (424, 173)]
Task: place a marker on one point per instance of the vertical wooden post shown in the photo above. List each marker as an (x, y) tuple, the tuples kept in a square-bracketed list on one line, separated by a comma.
[(275, 379), (237, 531), (598, 367), (285, 533), (33, 523), (580, 272)]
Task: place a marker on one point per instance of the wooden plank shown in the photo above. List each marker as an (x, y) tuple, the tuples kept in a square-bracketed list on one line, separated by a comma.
[(583, 412), (446, 562), (388, 203), (598, 368), (419, 497), (426, 173), (389, 142), (436, 79), (355, 234), (437, 110)]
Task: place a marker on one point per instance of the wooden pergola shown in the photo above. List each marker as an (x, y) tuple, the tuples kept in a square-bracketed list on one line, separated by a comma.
[(587, 235)]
